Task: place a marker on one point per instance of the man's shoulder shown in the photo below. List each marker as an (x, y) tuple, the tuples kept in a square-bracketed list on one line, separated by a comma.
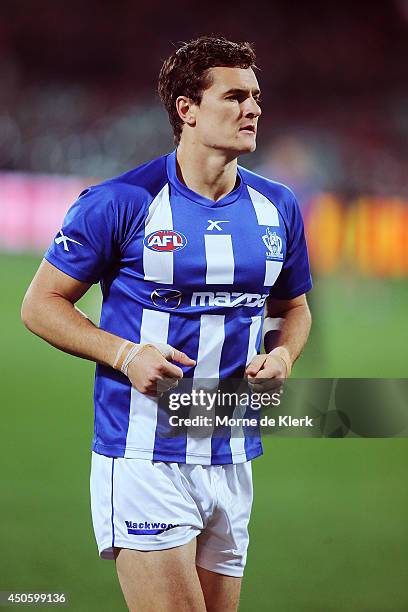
[(141, 183), (279, 194)]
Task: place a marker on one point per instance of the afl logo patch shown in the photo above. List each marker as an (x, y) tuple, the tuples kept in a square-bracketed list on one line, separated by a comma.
[(165, 241)]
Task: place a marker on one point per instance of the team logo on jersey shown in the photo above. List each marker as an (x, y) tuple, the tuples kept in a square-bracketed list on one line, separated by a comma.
[(165, 241), (273, 243), (167, 298)]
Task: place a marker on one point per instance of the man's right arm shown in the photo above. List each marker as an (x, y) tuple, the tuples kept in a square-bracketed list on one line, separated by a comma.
[(49, 311)]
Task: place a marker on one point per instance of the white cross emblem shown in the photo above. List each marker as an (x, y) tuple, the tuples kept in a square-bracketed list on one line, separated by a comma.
[(65, 239), (215, 225)]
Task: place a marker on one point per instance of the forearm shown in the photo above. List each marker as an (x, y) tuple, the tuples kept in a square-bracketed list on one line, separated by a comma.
[(59, 322), (293, 333)]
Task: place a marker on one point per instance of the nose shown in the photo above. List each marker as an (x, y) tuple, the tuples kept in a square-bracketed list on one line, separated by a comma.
[(252, 108)]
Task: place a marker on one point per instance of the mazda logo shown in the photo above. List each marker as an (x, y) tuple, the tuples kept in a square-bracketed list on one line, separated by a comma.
[(169, 298)]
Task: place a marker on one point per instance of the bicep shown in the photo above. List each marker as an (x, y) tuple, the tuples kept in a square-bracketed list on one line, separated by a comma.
[(277, 308), (49, 281)]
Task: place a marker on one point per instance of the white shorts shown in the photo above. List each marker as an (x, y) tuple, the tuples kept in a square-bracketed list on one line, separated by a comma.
[(153, 505)]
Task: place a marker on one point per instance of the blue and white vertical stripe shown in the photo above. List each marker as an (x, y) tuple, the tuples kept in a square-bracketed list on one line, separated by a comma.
[(145, 233), (213, 348)]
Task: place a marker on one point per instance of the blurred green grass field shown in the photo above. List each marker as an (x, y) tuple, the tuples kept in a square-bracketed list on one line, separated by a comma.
[(329, 527)]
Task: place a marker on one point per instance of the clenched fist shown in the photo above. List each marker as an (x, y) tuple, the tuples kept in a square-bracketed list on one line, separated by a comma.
[(266, 372), (152, 371)]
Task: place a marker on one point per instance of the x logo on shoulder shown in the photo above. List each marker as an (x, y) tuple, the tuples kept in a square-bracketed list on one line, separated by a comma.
[(64, 239)]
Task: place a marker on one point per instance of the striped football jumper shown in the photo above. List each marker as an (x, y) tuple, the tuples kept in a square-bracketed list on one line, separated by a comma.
[(179, 268)]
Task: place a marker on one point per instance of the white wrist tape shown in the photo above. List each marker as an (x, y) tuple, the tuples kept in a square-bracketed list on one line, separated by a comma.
[(123, 359), (131, 354), (271, 324), (121, 354)]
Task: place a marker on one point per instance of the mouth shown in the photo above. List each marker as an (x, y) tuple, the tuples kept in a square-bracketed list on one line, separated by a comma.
[(248, 129)]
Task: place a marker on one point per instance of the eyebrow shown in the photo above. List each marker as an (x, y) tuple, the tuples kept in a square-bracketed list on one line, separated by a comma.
[(237, 90)]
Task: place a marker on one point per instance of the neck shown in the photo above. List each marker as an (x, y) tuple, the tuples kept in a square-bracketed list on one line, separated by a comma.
[(208, 172)]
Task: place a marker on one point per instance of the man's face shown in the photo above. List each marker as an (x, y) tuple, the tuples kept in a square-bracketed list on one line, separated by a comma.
[(227, 116)]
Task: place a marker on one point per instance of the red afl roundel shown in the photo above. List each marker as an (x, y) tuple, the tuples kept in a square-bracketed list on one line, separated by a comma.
[(165, 241)]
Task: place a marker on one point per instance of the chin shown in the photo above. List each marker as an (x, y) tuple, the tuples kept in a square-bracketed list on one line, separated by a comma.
[(250, 148), (237, 148)]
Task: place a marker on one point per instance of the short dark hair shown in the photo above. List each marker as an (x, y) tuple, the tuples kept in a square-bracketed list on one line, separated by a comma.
[(186, 71)]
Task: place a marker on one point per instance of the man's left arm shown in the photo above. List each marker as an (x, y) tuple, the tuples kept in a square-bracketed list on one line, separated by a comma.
[(287, 324)]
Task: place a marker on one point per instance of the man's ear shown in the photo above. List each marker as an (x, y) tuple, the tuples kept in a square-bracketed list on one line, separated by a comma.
[(186, 110)]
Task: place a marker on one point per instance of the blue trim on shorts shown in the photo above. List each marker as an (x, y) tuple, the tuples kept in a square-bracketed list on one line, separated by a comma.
[(112, 512)]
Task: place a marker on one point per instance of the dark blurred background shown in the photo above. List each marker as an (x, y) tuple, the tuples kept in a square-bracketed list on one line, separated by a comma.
[(78, 104), (78, 85), (78, 98)]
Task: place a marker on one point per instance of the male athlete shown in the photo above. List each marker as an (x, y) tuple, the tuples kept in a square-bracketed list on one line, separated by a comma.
[(187, 248)]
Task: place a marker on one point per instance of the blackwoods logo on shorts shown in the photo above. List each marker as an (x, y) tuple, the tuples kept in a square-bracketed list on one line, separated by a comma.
[(146, 528)]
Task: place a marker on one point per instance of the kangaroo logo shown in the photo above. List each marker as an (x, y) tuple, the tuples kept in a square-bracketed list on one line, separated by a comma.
[(273, 243)]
